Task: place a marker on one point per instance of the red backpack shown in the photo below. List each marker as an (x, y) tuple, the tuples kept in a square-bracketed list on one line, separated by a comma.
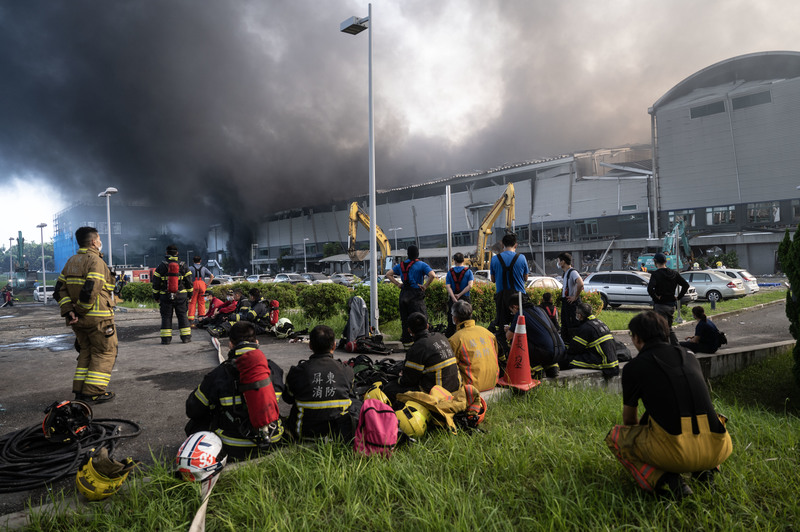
[(173, 275), (377, 429), (257, 388)]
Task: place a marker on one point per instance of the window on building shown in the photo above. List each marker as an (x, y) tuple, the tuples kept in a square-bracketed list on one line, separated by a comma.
[(751, 99), (522, 234), (708, 109), (769, 211), (263, 252), (116, 227), (102, 228), (628, 208), (721, 215), (796, 210), (586, 228), (463, 238), (686, 215)]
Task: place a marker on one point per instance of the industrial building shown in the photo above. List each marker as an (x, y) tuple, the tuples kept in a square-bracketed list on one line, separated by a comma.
[(723, 158)]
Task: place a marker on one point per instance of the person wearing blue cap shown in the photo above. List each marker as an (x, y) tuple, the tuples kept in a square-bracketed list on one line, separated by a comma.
[(662, 287)]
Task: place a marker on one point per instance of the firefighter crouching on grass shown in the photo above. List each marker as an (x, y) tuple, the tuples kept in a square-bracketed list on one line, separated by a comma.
[(172, 288), (238, 400), (84, 294)]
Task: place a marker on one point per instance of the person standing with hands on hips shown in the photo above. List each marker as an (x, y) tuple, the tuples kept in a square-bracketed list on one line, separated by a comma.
[(416, 276)]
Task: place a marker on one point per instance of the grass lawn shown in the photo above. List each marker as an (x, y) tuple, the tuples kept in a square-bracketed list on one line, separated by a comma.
[(541, 464)]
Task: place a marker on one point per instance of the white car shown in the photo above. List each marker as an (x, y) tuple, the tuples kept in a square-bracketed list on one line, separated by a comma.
[(317, 278), (292, 278), (38, 294), (535, 281), (748, 279)]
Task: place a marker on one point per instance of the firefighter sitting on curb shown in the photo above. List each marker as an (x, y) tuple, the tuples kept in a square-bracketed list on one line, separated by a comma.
[(475, 349), (679, 431), (545, 346), (592, 347), (217, 310), (172, 288), (238, 400), (429, 362), (322, 392)]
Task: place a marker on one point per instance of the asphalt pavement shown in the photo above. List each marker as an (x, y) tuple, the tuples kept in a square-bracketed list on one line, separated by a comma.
[(152, 382)]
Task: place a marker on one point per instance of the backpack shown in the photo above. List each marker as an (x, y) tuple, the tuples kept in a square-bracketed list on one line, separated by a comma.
[(721, 337), (623, 353), (371, 344), (173, 275), (356, 325), (544, 322), (377, 430)]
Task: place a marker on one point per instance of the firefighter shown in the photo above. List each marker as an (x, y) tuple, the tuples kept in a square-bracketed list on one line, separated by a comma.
[(172, 288), (200, 273), (84, 294)]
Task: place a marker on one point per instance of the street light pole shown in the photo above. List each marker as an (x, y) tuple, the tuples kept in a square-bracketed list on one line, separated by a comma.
[(107, 195), (544, 260), (125, 253), (305, 265), (41, 227), (395, 229), (10, 260), (187, 256), (353, 26)]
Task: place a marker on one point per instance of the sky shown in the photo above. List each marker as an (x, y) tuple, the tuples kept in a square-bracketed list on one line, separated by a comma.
[(221, 109)]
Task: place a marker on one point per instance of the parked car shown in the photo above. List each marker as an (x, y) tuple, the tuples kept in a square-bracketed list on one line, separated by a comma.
[(293, 278), (748, 279), (440, 274), (252, 278), (317, 278), (535, 281), (221, 279), (346, 279), (482, 276), (626, 287), (38, 294), (715, 286)]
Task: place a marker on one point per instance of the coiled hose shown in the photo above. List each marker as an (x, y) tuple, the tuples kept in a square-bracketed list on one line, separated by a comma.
[(29, 460)]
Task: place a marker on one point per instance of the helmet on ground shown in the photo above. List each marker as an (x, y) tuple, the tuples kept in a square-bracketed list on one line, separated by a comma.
[(198, 457), (66, 420), (350, 346), (96, 485), (413, 419), (283, 328), (375, 392)]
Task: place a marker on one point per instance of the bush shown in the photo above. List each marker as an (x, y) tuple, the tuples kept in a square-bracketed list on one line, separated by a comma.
[(436, 301), (139, 292), (482, 299), (323, 301), (388, 300)]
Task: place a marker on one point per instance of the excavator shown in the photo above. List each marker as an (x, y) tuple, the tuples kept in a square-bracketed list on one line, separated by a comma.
[(357, 215), (672, 241), (482, 257)]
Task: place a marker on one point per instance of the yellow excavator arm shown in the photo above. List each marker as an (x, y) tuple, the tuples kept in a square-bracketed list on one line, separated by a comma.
[(357, 215), (482, 259)]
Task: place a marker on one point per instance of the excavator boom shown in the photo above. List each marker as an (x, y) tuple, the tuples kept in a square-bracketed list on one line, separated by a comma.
[(357, 215), (505, 203)]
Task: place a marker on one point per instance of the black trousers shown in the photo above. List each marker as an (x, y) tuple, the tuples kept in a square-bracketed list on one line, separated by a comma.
[(178, 306), (569, 320), (411, 300), (451, 327)]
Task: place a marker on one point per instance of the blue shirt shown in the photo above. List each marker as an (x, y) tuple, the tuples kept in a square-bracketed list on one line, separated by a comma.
[(468, 276), (518, 272), (416, 274)]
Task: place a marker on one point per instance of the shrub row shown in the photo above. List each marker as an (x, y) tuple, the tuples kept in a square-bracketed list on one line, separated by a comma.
[(323, 301)]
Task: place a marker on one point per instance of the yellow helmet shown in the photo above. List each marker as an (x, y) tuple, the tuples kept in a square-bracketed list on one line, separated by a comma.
[(96, 486), (375, 392), (413, 419)]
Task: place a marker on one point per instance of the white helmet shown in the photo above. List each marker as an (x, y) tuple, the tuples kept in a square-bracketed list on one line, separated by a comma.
[(198, 456), (283, 328)]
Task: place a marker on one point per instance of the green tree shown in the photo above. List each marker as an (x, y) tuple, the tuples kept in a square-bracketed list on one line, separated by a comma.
[(332, 248), (789, 256)]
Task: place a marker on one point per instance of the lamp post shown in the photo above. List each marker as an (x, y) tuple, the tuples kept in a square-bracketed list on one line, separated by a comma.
[(188, 251), (145, 260), (354, 26), (305, 265), (125, 253), (10, 259), (41, 227), (544, 260), (395, 230), (107, 195)]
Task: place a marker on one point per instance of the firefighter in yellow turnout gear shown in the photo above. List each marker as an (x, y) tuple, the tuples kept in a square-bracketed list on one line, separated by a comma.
[(172, 288), (84, 292), (679, 432)]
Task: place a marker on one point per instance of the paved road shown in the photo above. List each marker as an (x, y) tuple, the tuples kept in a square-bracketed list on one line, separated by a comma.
[(152, 381)]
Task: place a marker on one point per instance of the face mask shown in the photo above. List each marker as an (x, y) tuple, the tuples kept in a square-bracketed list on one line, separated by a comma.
[(99, 245)]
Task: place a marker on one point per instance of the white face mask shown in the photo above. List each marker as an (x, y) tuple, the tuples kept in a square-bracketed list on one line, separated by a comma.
[(99, 245)]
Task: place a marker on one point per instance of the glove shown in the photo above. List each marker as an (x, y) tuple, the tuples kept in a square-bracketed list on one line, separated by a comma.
[(271, 433), (109, 467)]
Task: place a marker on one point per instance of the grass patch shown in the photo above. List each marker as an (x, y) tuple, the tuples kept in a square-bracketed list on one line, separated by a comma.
[(540, 465), (617, 320)]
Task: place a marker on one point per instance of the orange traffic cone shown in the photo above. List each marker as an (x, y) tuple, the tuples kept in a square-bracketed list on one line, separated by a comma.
[(518, 369)]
